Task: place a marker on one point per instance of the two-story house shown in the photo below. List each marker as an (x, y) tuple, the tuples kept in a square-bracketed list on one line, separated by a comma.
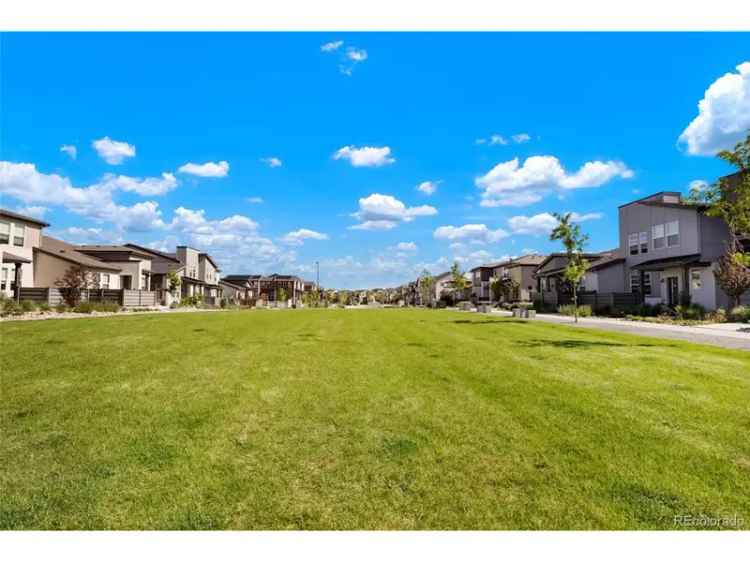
[(19, 235), (671, 247), (162, 264), (521, 270), (481, 277)]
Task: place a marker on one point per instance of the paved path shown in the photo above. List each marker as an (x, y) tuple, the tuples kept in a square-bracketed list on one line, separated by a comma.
[(723, 335)]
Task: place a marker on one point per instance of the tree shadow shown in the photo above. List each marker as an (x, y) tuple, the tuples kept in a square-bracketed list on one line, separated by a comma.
[(576, 344), (477, 322)]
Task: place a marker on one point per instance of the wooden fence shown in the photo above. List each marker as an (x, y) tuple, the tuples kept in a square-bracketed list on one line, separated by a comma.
[(597, 301), (125, 297)]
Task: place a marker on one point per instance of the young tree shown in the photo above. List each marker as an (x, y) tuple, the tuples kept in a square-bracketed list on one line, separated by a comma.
[(458, 281), (496, 287), (281, 295), (732, 276), (174, 281), (343, 297), (427, 288), (76, 280), (574, 241)]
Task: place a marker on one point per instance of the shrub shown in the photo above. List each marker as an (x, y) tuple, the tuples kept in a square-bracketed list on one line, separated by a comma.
[(87, 307), (84, 307), (10, 308), (569, 310), (44, 306), (690, 312), (195, 300), (61, 307), (27, 305), (718, 316), (739, 314)]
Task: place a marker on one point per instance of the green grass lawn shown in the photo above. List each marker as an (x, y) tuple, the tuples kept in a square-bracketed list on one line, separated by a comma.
[(364, 419)]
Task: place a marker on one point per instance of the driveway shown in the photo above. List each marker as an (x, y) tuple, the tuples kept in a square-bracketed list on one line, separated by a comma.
[(723, 335)]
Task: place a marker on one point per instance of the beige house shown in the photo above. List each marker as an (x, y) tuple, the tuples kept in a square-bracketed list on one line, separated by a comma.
[(19, 235), (520, 270), (135, 266), (53, 258), (200, 276)]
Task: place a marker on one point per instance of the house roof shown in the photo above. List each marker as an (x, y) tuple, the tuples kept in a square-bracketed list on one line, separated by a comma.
[(676, 261), (607, 261), (165, 267), (562, 258), (12, 215), (12, 258), (231, 285), (151, 251), (666, 199), (68, 252), (209, 258), (107, 248)]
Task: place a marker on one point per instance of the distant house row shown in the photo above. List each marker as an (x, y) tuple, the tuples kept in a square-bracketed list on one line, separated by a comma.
[(31, 259), (668, 251)]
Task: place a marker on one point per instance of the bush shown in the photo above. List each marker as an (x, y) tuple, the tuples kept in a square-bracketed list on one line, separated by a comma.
[(690, 312), (28, 306), (84, 307), (195, 301), (739, 314), (44, 306), (61, 307), (10, 308), (584, 310), (718, 316)]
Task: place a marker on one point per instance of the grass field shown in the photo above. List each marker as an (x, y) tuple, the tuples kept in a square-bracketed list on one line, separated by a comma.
[(364, 419)]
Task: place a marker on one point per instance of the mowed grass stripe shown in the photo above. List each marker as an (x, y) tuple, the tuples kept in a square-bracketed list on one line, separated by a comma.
[(375, 419)]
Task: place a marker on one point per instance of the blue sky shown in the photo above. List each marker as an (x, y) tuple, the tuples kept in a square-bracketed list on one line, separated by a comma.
[(174, 136)]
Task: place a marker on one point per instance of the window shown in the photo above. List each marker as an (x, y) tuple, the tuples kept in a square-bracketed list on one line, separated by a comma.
[(657, 235), (647, 283), (633, 244), (638, 242), (4, 232), (643, 239), (673, 234), (635, 281), (19, 231), (4, 279), (696, 281), (102, 280)]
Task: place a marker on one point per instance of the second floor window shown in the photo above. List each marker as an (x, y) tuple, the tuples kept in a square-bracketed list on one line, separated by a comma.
[(4, 232), (666, 235), (19, 231), (638, 243)]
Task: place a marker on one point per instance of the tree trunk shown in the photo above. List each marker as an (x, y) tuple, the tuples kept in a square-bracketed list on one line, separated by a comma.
[(575, 303)]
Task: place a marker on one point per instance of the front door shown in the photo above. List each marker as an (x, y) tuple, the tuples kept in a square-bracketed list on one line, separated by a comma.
[(672, 291)]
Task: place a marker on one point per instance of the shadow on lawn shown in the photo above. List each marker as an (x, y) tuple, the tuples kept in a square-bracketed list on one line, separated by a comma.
[(574, 344), (478, 322)]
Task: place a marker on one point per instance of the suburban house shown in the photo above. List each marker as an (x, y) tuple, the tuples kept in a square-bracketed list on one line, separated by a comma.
[(481, 277), (134, 265), (53, 258), (267, 287), (443, 285), (670, 248), (233, 293), (162, 264), (200, 276), (19, 235), (521, 270), (552, 287)]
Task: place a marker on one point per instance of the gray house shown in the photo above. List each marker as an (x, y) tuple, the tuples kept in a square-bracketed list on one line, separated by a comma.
[(671, 247)]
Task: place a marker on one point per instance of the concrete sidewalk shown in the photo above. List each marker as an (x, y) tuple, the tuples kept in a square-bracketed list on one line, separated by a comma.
[(724, 335)]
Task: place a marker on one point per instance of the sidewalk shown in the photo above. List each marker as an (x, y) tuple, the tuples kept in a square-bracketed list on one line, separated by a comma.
[(723, 335)]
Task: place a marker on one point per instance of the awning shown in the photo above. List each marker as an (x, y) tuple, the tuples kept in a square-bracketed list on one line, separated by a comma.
[(12, 258), (666, 263)]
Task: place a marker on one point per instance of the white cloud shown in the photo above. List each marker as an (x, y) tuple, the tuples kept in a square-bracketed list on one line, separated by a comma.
[(112, 151), (298, 237), (508, 184), (697, 185), (272, 162), (543, 223), (70, 150), (521, 138), (79, 235), (473, 233), (384, 212), (498, 139), (331, 46), (36, 211), (207, 170), (723, 115), (254, 200), (406, 247), (365, 156), (146, 186), (356, 55), (428, 187)]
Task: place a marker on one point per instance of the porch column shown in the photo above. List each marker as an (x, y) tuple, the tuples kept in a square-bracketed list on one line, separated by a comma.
[(17, 289)]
